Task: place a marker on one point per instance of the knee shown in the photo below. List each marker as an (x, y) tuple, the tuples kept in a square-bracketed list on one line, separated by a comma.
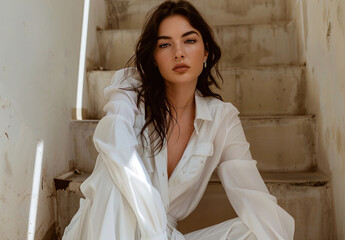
[(239, 230)]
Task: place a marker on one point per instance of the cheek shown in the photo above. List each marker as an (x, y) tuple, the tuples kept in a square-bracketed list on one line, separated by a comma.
[(198, 54), (198, 60), (161, 59)]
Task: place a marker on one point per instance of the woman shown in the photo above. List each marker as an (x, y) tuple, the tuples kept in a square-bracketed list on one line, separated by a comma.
[(164, 134)]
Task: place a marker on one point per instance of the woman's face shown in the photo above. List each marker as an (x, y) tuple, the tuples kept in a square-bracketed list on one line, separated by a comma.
[(180, 51)]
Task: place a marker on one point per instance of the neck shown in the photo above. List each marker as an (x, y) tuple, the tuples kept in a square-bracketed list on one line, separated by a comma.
[(181, 96)]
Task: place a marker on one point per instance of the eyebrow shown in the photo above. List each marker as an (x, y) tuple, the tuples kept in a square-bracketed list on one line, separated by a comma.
[(183, 35)]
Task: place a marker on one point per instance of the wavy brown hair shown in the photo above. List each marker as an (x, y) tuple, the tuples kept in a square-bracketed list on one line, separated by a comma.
[(158, 109)]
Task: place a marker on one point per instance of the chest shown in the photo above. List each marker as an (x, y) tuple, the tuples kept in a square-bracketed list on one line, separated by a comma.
[(184, 154), (178, 140)]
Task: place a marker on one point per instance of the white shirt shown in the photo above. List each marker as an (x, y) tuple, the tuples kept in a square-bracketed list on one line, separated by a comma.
[(218, 142)]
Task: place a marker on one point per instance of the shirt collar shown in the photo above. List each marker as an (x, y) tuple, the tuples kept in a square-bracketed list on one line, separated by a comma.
[(202, 111)]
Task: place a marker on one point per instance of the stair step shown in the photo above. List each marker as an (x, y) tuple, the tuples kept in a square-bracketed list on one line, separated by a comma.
[(271, 139), (132, 13), (68, 194), (306, 196), (281, 143), (309, 178), (96, 82), (242, 45), (254, 91), (265, 90)]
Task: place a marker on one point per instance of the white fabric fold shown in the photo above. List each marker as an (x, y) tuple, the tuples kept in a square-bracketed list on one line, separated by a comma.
[(252, 202), (115, 140)]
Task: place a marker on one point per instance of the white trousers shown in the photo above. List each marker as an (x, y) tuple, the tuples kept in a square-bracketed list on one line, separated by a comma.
[(233, 229), (106, 215)]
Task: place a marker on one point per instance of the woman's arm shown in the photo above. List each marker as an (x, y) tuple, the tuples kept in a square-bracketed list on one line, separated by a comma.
[(245, 188), (115, 140)]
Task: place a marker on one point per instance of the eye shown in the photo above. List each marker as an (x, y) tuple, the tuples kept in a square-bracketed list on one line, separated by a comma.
[(163, 45), (190, 41)]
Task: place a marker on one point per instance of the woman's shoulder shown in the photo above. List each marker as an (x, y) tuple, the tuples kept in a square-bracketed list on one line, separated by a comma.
[(122, 89), (125, 78), (217, 105)]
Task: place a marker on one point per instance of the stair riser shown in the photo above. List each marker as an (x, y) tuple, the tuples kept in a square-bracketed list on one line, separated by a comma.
[(309, 205), (67, 206), (282, 144), (271, 143), (131, 14), (265, 91), (258, 91), (83, 150), (96, 82), (247, 45)]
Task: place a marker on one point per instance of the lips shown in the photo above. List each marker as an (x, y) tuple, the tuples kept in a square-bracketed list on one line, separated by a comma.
[(181, 67)]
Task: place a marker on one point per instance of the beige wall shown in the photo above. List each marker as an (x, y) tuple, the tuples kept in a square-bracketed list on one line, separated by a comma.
[(97, 20), (324, 34), (39, 55)]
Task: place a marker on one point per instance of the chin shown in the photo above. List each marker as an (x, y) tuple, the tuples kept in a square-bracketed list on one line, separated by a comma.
[(182, 79)]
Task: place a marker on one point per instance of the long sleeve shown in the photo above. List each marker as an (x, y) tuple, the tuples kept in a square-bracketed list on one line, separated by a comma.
[(115, 140), (246, 189)]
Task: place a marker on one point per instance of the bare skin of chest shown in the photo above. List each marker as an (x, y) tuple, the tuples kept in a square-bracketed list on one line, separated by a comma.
[(178, 139)]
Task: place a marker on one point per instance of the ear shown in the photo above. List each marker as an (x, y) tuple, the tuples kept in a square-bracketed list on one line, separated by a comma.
[(206, 52)]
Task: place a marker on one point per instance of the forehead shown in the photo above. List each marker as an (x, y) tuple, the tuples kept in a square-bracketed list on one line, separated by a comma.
[(175, 25)]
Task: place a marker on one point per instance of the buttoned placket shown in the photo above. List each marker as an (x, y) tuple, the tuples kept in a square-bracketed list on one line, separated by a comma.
[(161, 161), (187, 153), (162, 175)]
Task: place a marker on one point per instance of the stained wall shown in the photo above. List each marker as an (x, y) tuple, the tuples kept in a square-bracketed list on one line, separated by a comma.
[(97, 20), (39, 57), (323, 25)]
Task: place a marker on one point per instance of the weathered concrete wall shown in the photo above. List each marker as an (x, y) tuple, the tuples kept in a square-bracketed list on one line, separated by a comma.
[(39, 49), (324, 33), (97, 20)]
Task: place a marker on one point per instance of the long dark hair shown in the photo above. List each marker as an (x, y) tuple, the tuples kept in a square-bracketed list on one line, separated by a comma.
[(158, 109)]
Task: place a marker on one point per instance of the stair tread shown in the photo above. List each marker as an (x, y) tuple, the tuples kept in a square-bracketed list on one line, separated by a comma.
[(254, 117), (295, 177), (73, 176), (274, 23), (315, 178), (292, 66)]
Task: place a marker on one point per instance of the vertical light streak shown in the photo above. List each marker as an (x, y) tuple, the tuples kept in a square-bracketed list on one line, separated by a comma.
[(81, 72), (35, 190), (302, 27)]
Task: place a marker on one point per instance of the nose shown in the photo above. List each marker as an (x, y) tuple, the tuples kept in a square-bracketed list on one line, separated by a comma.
[(179, 53)]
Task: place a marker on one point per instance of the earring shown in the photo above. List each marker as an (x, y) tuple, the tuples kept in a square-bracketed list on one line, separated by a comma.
[(205, 64)]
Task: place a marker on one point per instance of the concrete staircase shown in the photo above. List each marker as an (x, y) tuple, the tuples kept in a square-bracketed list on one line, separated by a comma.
[(263, 78)]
